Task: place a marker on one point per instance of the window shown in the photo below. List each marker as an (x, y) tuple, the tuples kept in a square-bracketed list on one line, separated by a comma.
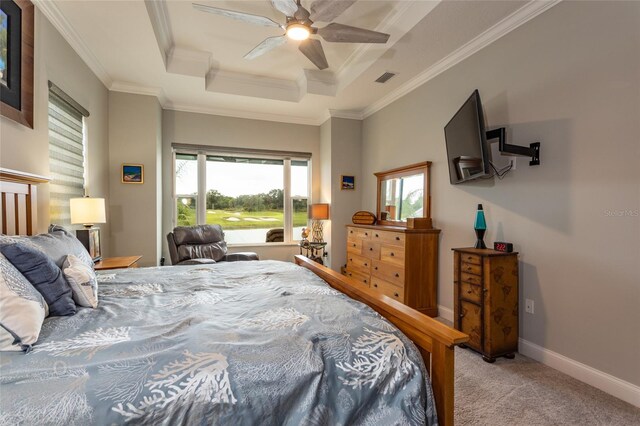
[(66, 153), (257, 197)]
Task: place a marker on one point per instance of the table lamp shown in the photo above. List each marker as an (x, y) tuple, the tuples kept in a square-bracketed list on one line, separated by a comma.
[(88, 211), (318, 213)]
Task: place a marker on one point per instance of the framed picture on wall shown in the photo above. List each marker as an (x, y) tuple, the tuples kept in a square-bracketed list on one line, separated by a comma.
[(16, 61), (132, 173), (347, 182)]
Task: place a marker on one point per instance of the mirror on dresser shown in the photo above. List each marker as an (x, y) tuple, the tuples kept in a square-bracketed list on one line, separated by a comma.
[(403, 193)]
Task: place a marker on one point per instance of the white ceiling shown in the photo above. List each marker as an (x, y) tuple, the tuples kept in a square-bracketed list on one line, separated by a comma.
[(193, 61)]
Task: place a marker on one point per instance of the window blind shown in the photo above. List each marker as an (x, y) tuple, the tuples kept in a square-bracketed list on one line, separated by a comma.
[(66, 156)]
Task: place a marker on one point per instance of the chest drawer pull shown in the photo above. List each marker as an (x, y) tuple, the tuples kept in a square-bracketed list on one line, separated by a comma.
[(375, 285), (365, 281), (366, 264), (391, 254), (397, 238), (366, 234), (469, 292), (350, 274), (397, 275), (377, 235), (370, 248), (375, 267), (396, 294)]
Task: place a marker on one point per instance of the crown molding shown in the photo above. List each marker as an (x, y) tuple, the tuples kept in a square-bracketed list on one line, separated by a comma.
[(404, 17), (126, 87), (159, 17), (57, 19), (502, 28), (224, 112), (348, 114)]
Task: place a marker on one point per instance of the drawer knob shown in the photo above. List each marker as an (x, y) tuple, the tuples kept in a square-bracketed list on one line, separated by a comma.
[(365, 281), (350, 274), (376, 235), (397, 238), (351, 232), (370, 248), (392, 254), (351, 259), (396, 294), (375, 285), (366, 264), (354, 244), (469, 291), (366, 234), (397, 275), (375, 267)]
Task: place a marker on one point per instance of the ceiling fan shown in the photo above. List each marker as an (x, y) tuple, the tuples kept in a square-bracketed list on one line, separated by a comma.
[(298, 27)]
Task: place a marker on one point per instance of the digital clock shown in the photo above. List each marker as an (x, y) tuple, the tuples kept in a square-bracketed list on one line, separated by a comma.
[(503, 247)]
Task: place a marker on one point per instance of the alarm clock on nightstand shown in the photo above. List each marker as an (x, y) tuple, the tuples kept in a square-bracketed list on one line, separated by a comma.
[(503, 247)]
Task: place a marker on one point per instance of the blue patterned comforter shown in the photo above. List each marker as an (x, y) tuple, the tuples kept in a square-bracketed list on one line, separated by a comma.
[(241, 343)]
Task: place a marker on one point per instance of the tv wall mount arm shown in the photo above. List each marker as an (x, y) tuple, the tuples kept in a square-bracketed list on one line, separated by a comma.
[(501, 134)]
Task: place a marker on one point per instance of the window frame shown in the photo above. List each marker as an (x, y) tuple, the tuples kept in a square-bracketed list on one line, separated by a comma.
[(201, 154)]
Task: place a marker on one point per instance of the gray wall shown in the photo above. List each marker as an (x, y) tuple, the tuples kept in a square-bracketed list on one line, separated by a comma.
[(341, 145), (202, 129), (136, 214), (570, 79), (27, 149)]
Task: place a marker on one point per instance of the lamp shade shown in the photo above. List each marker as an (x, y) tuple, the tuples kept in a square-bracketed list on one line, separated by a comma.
[(87, 211), (319, 211)]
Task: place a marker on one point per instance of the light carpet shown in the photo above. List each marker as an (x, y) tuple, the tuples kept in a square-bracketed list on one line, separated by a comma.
[(522, 391)]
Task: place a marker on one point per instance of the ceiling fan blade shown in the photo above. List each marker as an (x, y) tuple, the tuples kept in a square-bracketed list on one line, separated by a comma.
[(339, 33), (328, 10), (240, 16), (312, 49), (288, 7), (267, 45)]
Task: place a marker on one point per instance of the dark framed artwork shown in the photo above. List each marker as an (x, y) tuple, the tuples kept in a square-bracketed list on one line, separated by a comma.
[(16, 61), (132, 173), (347, 182)]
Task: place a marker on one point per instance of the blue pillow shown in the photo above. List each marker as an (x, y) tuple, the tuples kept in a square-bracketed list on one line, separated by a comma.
[(44, 275)]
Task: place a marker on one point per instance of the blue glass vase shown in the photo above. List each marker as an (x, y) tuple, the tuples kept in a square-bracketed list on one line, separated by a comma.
[(480, 227)]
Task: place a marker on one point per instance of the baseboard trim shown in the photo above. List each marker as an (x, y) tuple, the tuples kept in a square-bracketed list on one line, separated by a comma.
[(612, 385), (445, 313)]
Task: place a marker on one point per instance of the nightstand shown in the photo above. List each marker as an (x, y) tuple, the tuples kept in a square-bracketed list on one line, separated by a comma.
[(117, 263), (314, 250)]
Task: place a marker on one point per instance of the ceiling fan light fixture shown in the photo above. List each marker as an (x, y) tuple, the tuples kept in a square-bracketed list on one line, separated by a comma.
[(298, 32)]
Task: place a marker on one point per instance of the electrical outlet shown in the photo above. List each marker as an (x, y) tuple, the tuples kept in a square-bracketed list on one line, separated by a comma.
[(529, 306)]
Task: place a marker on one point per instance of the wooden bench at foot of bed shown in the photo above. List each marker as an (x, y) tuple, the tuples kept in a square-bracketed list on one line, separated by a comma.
[(435, 340)]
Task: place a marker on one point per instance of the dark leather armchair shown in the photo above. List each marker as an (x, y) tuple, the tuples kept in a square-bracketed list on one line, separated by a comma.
[(192, 245)]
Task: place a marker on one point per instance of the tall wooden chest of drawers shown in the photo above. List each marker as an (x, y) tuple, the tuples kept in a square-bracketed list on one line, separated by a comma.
[(398, 262), (486, 300)]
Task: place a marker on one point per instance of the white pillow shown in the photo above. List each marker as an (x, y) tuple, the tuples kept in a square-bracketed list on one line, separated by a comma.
[(22, 309), (82, 280)]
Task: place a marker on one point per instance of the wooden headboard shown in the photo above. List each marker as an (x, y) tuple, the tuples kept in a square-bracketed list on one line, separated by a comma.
[(18, 202)]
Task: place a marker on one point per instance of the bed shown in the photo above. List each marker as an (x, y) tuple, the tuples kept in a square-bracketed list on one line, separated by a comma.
[(258, 343)]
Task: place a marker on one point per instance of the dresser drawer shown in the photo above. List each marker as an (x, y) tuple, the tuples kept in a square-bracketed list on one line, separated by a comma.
[(471, 258), (358, 276), (354, 246), (360, 263), (389, 238), (352, 233), (389, 272), (471, 279), (388, 289), (470, 268), (363, 234), (470, 323), (371, 249), (471, 292), (393, 255)]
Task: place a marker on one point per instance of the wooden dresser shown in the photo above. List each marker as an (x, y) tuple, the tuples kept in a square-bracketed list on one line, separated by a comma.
[(486, 300), (398, 262)]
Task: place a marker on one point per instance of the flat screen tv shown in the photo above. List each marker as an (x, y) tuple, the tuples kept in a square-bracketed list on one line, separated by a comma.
[(467, 148)]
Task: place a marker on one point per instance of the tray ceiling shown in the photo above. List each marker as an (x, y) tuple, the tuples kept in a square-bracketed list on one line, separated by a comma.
[(193, 61)]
